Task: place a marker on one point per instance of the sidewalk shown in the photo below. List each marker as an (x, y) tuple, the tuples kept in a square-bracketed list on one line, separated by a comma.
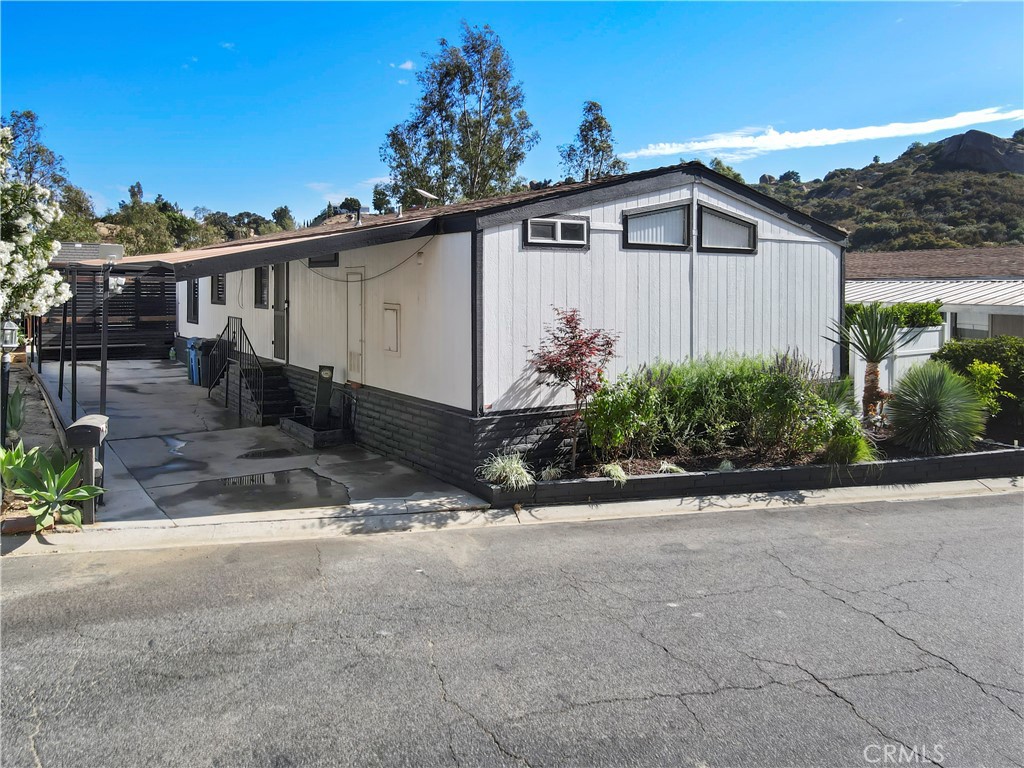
[(330, 522)]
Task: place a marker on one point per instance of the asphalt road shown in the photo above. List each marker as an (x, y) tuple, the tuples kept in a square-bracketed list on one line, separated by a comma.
[(830, 636)]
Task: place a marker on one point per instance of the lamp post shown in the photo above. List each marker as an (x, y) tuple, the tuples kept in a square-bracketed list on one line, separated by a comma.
[(9, 344)]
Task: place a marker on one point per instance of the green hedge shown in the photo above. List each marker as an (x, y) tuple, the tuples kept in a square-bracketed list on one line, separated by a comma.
[(1005, 351), (908, 314)]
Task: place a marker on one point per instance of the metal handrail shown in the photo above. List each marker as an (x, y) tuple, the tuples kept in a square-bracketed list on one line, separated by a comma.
[(220, 373), (239, 350)]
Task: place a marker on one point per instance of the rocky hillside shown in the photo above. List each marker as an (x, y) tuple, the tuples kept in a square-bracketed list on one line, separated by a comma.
[(964, 191)]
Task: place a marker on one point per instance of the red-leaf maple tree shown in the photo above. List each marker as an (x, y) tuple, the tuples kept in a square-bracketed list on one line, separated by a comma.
[(573, 356)]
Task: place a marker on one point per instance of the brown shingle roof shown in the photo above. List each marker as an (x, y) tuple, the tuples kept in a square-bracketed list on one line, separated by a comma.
[(960, 263)]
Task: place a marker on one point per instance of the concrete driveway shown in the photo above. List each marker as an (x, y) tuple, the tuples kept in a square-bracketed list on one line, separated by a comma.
[(830, 636), (175, 457)]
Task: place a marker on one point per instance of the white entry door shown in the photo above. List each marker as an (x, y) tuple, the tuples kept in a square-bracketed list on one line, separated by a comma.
[(354, 279)]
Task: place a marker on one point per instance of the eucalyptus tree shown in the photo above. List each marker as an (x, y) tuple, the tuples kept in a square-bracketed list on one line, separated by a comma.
[(591, 154), (468, 133)]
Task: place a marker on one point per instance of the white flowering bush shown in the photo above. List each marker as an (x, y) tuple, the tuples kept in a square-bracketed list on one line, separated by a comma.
[(27, 284)]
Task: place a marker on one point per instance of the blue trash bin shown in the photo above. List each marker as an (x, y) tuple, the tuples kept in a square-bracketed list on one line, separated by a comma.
[(192, 345)]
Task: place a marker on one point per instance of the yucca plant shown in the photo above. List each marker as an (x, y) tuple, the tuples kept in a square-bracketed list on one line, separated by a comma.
[(49, 492), (874, 334), (507, 469), (934, 410), (16, 409)]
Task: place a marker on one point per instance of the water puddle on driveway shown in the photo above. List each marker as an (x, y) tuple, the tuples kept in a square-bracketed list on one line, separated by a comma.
[(267, 453)]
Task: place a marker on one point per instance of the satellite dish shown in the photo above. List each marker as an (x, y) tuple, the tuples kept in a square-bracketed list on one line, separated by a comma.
[(425, 194)]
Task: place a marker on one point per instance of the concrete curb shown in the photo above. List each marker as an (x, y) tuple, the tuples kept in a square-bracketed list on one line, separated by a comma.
[(112, 538)]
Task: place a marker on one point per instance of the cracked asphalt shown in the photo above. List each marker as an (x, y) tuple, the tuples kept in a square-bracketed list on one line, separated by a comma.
[(863, 635)]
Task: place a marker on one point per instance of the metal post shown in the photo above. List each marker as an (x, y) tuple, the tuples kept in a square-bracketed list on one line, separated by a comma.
[(5, 383), (88, 474), (74, 349), (39, 344), (103, 340), (63, 345)]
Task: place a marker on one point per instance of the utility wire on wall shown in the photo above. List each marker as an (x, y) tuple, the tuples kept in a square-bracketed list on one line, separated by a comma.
[(371, 277)]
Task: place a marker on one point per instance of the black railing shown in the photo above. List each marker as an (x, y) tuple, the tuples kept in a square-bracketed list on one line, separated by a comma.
[(233, 346)]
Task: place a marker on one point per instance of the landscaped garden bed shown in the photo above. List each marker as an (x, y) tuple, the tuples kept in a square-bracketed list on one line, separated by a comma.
[(741, 424)]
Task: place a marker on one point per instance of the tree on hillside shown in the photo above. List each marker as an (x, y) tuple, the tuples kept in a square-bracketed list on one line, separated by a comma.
[(793, 176), (591, 154), (351, 204), (144, 229), (27, 284), (282, 216), (29, 160), (726, 170), (1018, 136), (77, 225), (469, 133)]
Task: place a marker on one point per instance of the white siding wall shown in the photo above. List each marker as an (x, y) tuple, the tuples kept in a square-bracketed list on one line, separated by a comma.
[(784, 296), (435, 299)]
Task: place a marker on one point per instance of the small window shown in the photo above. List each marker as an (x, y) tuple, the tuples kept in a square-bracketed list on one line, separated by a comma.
[(261, 287), (218, 289), (192, 301), (566, 233), (721, 232), (663, 228), (392, 329), (327, 260)]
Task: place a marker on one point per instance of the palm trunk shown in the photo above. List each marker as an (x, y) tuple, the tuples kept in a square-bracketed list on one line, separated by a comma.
[(872, 394)]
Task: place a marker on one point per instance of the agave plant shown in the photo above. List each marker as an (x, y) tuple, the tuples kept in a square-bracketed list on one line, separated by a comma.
[(15, 457), (874, 335), (934, 410), (49, 492)]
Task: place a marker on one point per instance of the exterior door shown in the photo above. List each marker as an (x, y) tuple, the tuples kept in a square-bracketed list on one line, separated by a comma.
[(281, 311), (354, 287)]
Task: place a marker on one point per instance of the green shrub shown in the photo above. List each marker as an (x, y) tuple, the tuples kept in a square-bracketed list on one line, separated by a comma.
[(507, 469), (15, 457), (934, 410), (1005, 351), (906, 314), (985, 378), (789, 418), (625, 418), (848, 444)]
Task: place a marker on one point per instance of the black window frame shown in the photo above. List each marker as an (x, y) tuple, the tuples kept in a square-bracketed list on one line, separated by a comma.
[(323, 261), (192, 300), (219, 289), (731, 217), (685, 207), (571, 245), (258, 284)]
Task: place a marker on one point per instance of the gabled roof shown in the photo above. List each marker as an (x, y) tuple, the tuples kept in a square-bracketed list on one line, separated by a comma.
[(960, 263), (340, 233)]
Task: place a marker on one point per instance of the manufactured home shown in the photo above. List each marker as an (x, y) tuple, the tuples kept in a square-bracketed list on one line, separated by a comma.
[(423, 320)]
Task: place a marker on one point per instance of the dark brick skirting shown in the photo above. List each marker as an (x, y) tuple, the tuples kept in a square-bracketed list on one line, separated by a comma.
[(1006, 462), (445, 442)]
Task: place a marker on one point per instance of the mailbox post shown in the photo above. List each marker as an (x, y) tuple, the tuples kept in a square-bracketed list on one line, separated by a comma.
[(87, 435)]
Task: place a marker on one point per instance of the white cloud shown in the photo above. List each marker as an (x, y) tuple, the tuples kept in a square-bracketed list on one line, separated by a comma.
[(228, 46), (751, 142), (374, 180), (407, 64), (403, 82), (328, 191)]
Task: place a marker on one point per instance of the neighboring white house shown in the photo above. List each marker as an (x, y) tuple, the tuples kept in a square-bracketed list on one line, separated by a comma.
[(428, 316), (981, 289)]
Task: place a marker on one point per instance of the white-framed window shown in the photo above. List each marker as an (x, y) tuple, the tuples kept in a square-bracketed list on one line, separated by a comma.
[(565, 232), (723, 232), (662, 227), (392, 329)]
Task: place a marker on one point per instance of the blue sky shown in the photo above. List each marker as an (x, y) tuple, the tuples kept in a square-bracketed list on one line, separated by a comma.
[(247, 106)]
